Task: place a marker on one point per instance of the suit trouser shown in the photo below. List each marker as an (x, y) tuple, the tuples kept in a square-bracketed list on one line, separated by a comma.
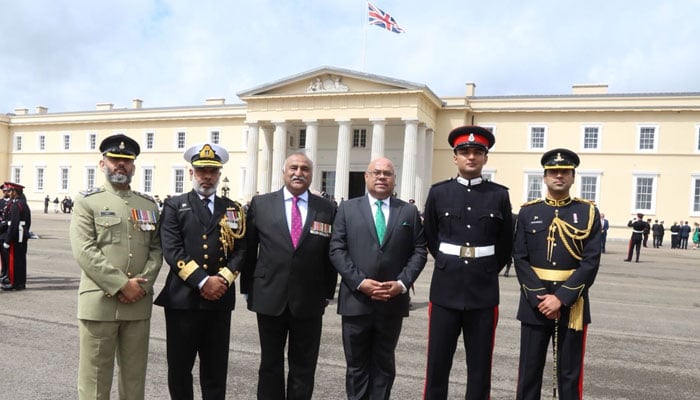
[(478, 328), (100, 342), (197, 332), (3, 259), (16, 268), (304, 341), (634, 245), (369, 342), (571, 346)]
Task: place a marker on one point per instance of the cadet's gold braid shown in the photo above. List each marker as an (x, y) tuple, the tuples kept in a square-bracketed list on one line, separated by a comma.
[(570, 236), (228, 235)]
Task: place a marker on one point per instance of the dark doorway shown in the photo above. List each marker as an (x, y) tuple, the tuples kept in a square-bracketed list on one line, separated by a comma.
[(357, 184)]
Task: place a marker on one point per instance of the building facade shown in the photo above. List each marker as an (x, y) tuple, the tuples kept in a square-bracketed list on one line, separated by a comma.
[(637, 150)]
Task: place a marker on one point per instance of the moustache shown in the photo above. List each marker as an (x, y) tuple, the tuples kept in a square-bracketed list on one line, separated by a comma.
[(298, 178)]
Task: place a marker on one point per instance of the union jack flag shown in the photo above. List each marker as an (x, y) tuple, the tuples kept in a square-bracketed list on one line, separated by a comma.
[(383, 20)]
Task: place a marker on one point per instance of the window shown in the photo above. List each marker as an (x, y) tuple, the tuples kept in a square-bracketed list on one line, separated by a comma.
[(328, 183), (150, 139), (179, 180), (18, 143), (534, 187), (644, 193), (591, 138), (90, 177), (695, 210), (92, 141), (647, 138), (63, 181), (697, 138), (17, 175), (66, 142), (215, 136), (359, 138), (538, 137), (148, 180), (589, 187), (180, 140), (42, 142), (40, 178), (290, 142), (302, 138)]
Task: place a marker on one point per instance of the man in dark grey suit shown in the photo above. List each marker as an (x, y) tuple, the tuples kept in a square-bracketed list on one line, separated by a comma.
[(379, 249), (289, 278)]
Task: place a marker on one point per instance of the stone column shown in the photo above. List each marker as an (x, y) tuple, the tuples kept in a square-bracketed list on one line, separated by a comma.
[(408, 175), (378, 137), (342, 165), (312, 152), (279, 154), (251, 176), (420, 167), (265, 161), (428, 156)]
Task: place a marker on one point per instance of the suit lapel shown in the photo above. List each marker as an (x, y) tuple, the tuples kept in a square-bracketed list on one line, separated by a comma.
[(394, 217), (279, 213), (310, 217), (366, 212)]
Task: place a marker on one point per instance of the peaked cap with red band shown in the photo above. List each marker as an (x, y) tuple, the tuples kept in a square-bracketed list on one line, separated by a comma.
[(471, 136)]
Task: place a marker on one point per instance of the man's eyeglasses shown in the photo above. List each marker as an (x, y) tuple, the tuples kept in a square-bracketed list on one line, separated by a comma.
[(377, 173)]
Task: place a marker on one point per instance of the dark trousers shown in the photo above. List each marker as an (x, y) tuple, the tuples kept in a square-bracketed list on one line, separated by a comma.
[(683, 243), (304, 341), (3, 259), (674, 241), (16, 263), (370, 343), (197, 332), (478, 328), (571, 346), (655, 240), (635, 244)]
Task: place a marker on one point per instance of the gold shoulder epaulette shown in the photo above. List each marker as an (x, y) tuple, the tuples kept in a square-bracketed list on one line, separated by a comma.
[(144, 195), (92, 191), (531, 202), (580, 200)]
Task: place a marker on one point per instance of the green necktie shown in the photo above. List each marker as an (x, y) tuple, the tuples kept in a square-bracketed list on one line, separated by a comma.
[(379, 221)]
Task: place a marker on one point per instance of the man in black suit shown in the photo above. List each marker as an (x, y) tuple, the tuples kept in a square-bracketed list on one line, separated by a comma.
[(468, 225), (201, 234), (289, 279), (379, 249)]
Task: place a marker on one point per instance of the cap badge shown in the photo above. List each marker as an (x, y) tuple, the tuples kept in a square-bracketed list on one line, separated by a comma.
[(471, 137), (558, 157), (122, 146), (206, 152)]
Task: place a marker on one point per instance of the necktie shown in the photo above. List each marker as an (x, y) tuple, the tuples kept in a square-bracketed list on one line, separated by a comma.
[(296, 221), (205, 202), (379, 221)]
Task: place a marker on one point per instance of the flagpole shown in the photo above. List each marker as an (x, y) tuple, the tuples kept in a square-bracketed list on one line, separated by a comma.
[(364, 37)]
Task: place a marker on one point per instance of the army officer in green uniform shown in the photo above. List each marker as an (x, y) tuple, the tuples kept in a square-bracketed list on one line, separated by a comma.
[(114, 240)]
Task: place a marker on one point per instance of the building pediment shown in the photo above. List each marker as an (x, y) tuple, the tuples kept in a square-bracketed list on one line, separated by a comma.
[(330, 80)]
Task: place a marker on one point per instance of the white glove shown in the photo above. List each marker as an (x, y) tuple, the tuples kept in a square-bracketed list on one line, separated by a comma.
[(6, 245)]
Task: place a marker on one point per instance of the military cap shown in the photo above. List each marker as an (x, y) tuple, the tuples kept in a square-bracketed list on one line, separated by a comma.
[(471, 136), (560, 159), (11, 186), (120, 146), (206, 155)]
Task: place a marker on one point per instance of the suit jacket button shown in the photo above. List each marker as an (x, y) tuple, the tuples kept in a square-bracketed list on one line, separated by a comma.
[(206, 256), (205, 246), (205, 266), (204, 237)]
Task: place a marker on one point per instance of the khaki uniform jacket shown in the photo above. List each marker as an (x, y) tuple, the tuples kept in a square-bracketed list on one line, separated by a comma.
[(113, 237)]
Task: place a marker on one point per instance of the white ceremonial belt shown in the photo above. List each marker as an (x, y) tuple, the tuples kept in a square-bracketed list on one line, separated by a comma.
[(466, 251), (635, 231)]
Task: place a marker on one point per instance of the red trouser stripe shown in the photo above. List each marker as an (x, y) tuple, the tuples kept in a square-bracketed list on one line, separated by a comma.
[(583, 354), (425, 381), (11, 262)]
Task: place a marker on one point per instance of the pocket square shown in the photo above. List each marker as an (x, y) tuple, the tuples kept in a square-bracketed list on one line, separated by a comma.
[(405, 223)]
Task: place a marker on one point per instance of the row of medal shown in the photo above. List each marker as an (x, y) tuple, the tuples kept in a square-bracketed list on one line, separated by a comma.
[(144, 220)]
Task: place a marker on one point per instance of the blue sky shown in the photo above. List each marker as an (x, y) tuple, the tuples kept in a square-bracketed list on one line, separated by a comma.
[(69, 55)]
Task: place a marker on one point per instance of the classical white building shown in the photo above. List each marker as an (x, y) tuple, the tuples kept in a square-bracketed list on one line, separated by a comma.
[(638, 151)]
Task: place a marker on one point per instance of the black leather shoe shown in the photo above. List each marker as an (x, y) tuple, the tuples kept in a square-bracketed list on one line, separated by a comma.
[(13, 287), (5, 281), (626, 260)]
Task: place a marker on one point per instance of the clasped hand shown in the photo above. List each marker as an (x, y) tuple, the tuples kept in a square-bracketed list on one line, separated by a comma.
[(213, 288), (132, 291), (550, 306), (381, 291)]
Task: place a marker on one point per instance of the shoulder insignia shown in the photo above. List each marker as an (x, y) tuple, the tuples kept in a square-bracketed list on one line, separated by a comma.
[(144, 195), (580, 200), (531, 202), (92, 191)]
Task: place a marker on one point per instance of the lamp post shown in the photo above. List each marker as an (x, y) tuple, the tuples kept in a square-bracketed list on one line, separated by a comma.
[(225, 189)]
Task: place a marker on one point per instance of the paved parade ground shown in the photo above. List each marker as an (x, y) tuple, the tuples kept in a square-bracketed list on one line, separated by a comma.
[(644, 342)]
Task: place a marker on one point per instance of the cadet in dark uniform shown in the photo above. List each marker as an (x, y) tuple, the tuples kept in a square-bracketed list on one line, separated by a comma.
[(557, 252), (638, 229), (3, 232), (18, 219), (113, 238), (468, 226), (201, 235)]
